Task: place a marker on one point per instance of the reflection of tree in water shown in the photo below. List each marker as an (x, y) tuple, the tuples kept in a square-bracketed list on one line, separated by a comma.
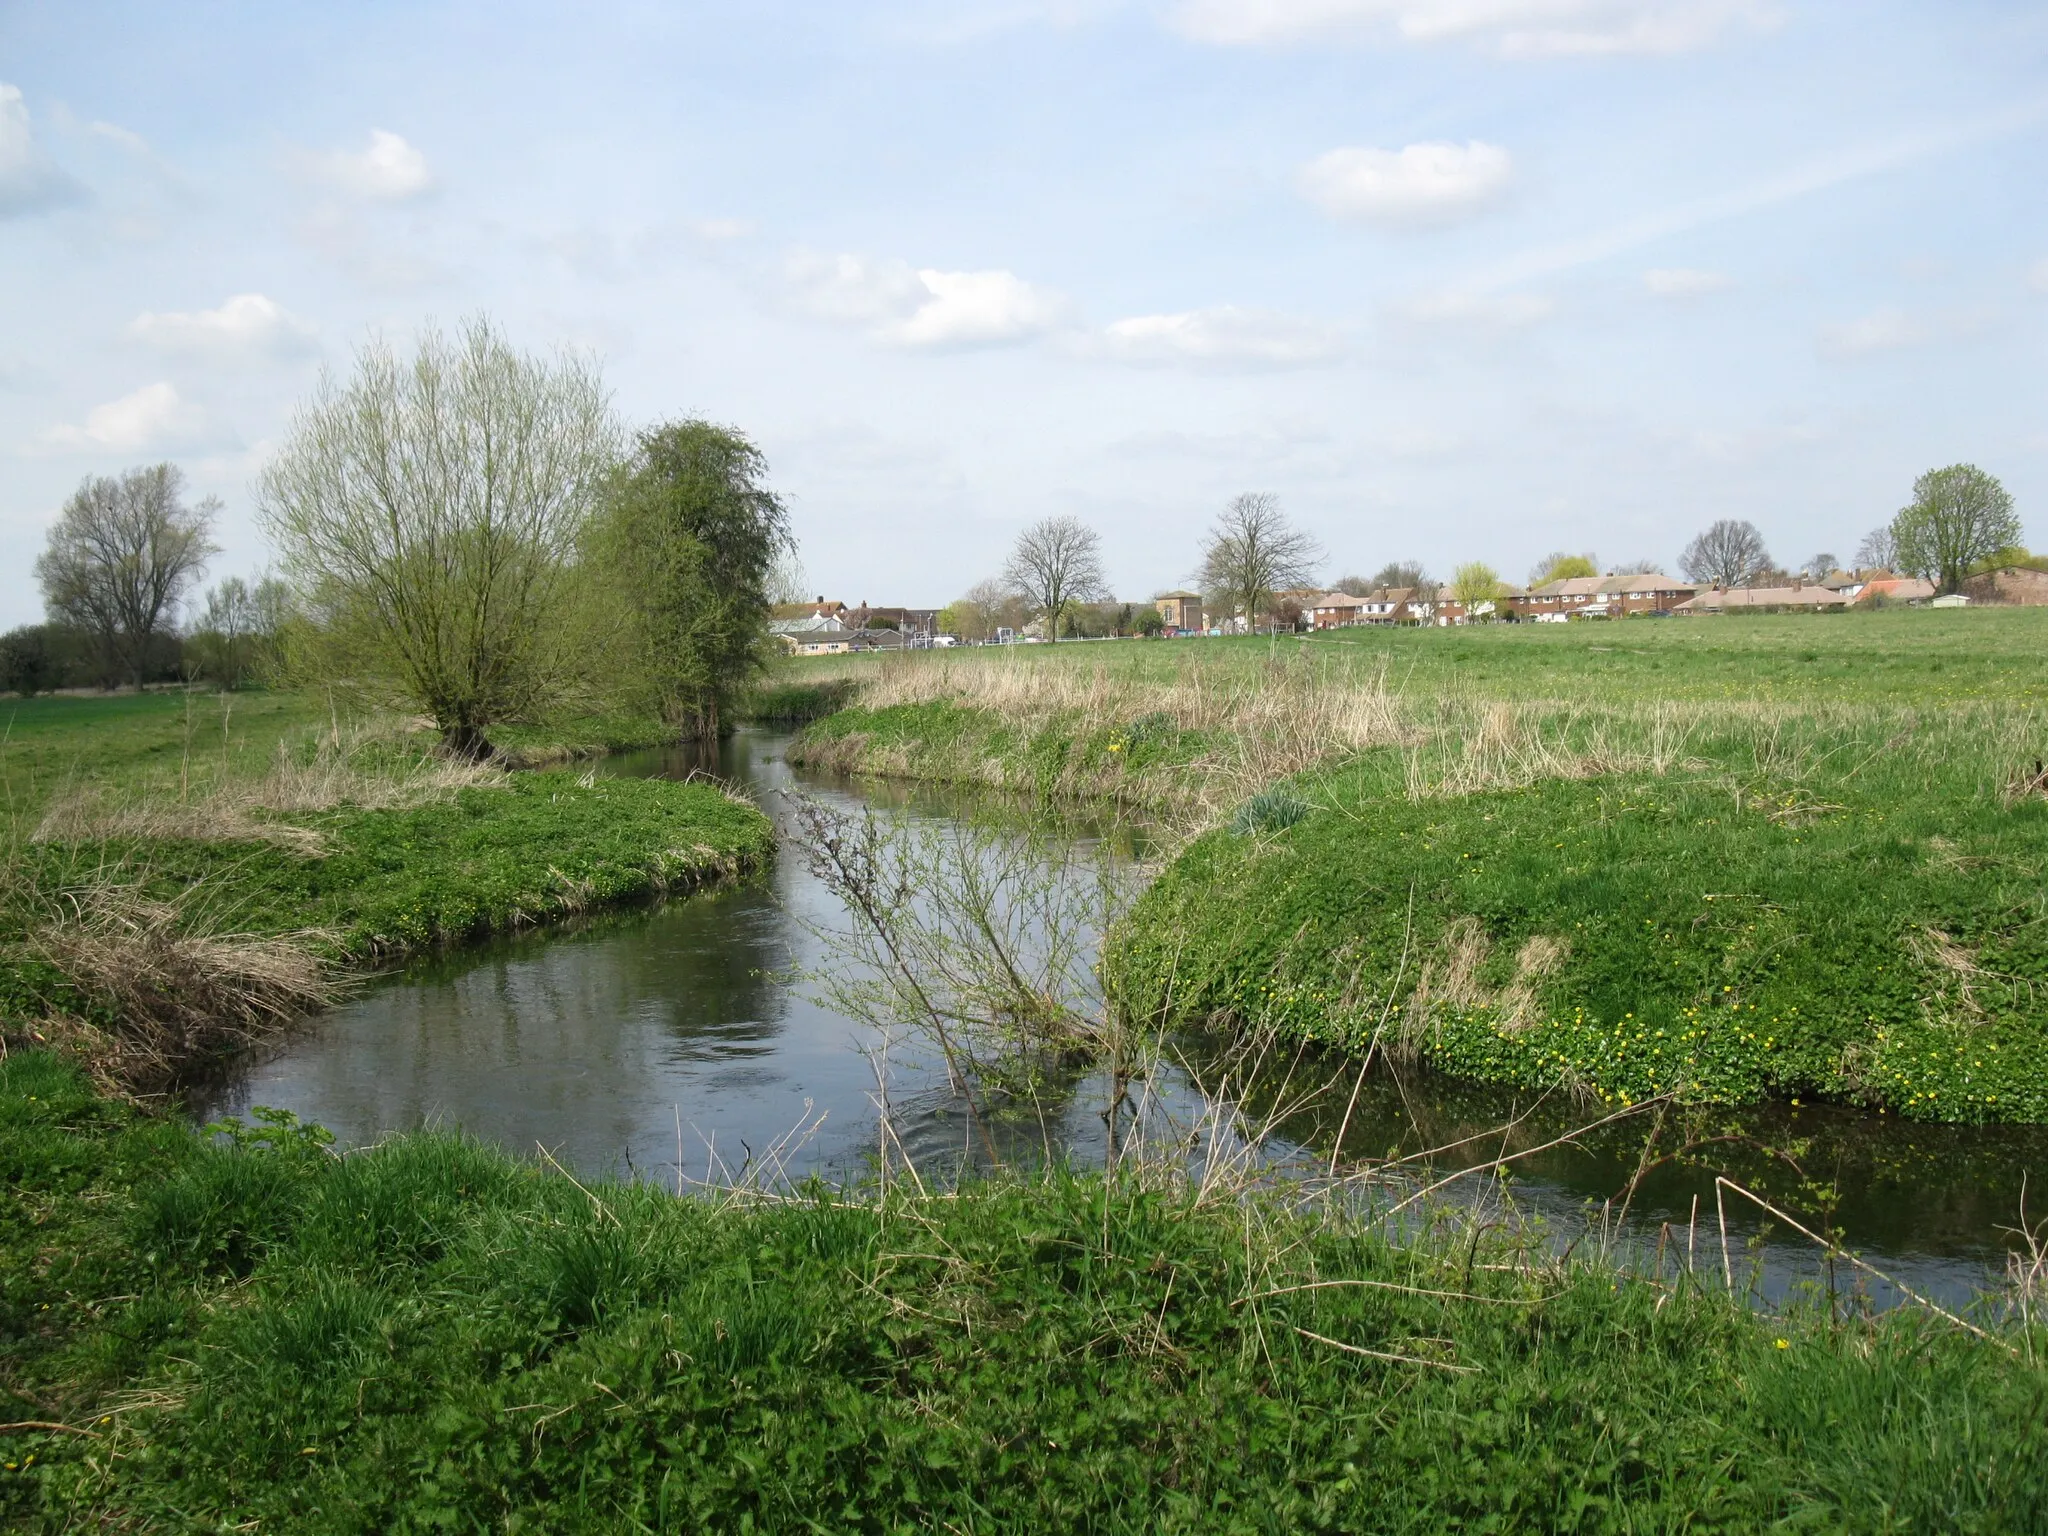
[(1889, 1184)]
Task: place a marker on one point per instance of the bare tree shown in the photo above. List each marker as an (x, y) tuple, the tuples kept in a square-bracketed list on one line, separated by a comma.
[(1959, 515), (428, 509), (1730, 553), (1353, 586), (1402, 573), (1253, 552), (122, 554), (1057, 561), (1639, 568), (1878, 551), (1820, 567)]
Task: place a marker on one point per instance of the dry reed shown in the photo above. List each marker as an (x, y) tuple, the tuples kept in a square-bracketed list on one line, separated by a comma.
[(166, 993)]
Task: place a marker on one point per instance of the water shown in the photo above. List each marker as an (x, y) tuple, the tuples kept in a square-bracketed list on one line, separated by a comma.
[(678, 1044)]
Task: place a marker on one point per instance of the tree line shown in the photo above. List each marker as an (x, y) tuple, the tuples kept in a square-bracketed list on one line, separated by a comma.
[(466, 531), (1254, 565)]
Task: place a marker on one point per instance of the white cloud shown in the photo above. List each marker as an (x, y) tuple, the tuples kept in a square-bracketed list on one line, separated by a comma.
[(1891, 329), (1422, 184), (1685, 282), (1222, 336), (1515, 28), (1478, 310), (923, 307), (29, 183), (248, 326), (154, 418), (390, 170)]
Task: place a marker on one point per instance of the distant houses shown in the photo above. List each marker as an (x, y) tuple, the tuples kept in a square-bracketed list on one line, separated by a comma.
[(1181, 611)]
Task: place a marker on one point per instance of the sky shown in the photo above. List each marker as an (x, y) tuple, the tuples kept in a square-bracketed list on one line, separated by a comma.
[(1454, 279)]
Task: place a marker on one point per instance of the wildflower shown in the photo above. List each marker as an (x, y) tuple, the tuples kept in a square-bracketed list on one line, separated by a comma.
[(1782, 1344)]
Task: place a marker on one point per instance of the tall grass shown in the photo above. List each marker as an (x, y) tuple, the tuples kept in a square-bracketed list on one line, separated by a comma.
[(432, 1335)]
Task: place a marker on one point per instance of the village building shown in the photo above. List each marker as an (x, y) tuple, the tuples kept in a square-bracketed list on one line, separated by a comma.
[(1182, 611), (1336, 610), (2020, 584)]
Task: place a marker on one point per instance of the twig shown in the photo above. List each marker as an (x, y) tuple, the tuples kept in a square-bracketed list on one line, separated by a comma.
[(1381, 1354), (1836, 1248), (50, 1425)]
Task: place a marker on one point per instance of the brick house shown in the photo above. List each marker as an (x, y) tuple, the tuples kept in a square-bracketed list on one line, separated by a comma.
[(1182, 611), (2020, 584), (1336, 610)]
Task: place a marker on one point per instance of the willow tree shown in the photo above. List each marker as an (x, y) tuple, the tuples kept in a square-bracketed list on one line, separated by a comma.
[(682, 562), (427, 511)]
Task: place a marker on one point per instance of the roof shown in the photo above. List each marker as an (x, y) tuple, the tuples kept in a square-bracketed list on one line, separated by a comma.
[(1719, 599), (1645, 581), (1904, 589), (1186, 597), (1339, 600)]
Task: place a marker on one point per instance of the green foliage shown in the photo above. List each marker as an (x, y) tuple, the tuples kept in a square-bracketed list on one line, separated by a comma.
[(680, 560), (1716, 934), (1958, 516), (1270, 810), (442, 1338), (541, 847), (793, 702), (1562, 566)]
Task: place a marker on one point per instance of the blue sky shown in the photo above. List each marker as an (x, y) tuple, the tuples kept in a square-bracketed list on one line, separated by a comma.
[(1456, 279)]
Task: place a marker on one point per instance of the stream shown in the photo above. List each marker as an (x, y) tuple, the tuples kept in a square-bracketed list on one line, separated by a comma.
[(679, 1044)]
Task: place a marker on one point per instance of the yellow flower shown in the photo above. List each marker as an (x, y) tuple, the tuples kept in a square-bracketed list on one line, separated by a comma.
[(1783, 1345)]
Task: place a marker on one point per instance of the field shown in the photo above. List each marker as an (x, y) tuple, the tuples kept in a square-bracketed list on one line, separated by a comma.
[(183, 874), (1712, 859), (246, 1332)]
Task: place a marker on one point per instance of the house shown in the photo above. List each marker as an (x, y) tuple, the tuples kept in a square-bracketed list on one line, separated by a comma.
[(1801, 597), (2020, 584), (1896, 589), (1182, 611), (814, 634), (1951, 600), (1386, 605), (1336, 610)]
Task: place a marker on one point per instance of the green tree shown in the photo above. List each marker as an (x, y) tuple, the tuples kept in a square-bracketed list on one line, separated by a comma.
[(1958, 516), (121, 555), (683, 556), (1560, 565), (1150, 621), (427, 512), (1476, 586), (29, 664)]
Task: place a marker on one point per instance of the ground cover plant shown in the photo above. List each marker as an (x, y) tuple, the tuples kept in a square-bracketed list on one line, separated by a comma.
[(246, 1330), (1721, 861), (162, 903)]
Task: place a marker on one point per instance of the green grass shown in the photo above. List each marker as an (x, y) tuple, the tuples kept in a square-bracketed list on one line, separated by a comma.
[(446, 867), (1772, 857), (432, 1336)]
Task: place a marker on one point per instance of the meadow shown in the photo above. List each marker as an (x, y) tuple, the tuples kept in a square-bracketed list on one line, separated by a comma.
[(184, 873), (243, 1331), (1718, 860)]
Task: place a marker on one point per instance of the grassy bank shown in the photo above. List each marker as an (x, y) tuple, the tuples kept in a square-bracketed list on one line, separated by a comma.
[(160, 905), (433, 1336), (1727, 862)]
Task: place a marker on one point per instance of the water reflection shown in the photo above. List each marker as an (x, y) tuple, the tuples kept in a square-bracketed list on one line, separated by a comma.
[(672, 1041)]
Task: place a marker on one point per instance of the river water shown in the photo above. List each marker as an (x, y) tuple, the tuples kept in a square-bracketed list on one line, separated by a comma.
[(681, 1044)]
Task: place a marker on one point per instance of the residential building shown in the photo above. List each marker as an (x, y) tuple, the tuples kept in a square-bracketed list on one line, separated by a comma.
[(1336, 610), (1182, 611), (1801, 597), (1386, 605), (2020, 584), (1896, 589)]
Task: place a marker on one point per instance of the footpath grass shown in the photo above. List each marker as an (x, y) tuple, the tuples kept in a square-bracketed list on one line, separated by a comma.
[(1721, 859), (250, 1333)]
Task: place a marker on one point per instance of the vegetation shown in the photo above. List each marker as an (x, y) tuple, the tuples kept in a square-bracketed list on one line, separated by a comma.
[(121, 556), (1251, 553), (246, 1329), (1808, 851), (427, 511), (684, 549), (1477, 587), (1562, 565), (203, 884), (1729, 553), (1057, 562), (1958, 516)]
